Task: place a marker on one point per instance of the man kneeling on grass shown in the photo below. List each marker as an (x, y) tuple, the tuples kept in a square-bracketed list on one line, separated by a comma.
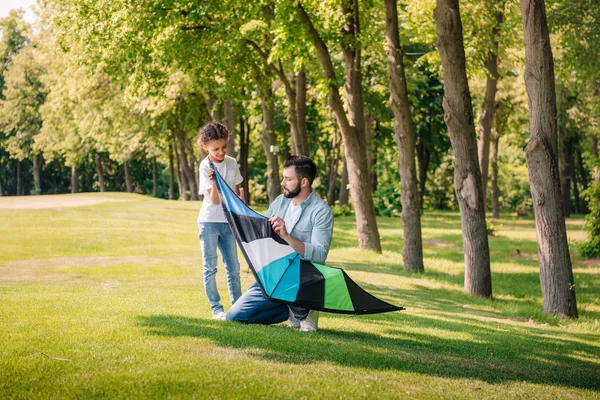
[(305, 222)]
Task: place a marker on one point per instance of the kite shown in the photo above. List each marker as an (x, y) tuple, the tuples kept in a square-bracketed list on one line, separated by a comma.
[(281, 273)]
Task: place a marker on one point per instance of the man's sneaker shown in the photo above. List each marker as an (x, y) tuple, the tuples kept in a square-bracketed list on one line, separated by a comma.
[(311, 322), (294, 322), (219, 315)]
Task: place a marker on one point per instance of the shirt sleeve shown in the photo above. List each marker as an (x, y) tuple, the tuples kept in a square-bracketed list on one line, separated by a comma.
[(238, 175), (204, 183), (321, 236)]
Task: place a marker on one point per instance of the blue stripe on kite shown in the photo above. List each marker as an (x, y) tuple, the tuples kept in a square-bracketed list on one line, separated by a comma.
[(279, 281), (233, 202)]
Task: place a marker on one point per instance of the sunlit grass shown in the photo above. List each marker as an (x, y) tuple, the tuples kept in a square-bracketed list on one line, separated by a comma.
[(107, 301)]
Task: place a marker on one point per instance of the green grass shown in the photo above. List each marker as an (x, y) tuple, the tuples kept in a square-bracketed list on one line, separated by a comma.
[(107, 301)]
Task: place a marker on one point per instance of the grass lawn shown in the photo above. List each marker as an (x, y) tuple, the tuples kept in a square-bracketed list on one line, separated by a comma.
[(106, 301)]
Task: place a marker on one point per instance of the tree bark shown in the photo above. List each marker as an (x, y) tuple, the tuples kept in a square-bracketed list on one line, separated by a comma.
[(230, 122), (154, 178), (37, 173), (187, 170), (74, 188), (244, 149), (556, 274), (458, 115), (269, 139), (128, 183), (351, 124), (333, 169), (302, 138), (486, 119), (405, 141), (575, 187), (495, 188), (181, 179), (19, 181), (423, 157), (344, 185), (100, 172), (565, 173), (171, 174)]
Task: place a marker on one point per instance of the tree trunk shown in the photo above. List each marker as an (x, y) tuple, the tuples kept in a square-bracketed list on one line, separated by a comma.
[(301, 113), (486, 119), (344, 185), (154, 178), (556, 274), (458, 115), (19, 181), (351, 124), (565, 174), (575, 188), (405, 141), (269, 139), (181, 179), (423, 157), (100, 172), (128, 183), (244, 149), (37, 173), (74, 188), (374, 154), (171, 174), (188, 172), (495, 188), (230, 122), (333, 169)]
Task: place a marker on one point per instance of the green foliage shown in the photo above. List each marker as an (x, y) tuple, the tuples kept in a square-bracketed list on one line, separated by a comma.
[(591, 248), (342, 211)]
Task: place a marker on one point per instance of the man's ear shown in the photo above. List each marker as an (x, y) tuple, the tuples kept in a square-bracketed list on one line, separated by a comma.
[(304, 182)]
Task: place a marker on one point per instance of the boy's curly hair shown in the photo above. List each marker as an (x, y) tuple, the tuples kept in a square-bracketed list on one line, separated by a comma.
[(211, 131)]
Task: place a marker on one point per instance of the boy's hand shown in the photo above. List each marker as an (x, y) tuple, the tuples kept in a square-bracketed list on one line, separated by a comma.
[(278, 225), (211, 175)]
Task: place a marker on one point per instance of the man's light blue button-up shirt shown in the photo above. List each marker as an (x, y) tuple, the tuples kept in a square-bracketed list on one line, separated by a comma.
[(314, 227)]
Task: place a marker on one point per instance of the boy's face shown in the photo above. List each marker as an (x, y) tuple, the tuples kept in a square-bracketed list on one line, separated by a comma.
[(291, 183), (217, 149)]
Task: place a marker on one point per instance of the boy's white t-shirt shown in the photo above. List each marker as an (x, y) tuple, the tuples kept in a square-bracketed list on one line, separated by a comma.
[(230, 172)]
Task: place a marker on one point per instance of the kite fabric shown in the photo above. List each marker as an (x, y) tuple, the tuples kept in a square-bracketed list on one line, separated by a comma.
[(281, 273)]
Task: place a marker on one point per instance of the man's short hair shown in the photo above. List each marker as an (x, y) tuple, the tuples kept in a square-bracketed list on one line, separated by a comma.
[(305, 167)]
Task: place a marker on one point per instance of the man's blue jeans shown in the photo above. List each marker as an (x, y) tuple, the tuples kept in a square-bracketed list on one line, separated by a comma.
[(254, 308), (215, 235)]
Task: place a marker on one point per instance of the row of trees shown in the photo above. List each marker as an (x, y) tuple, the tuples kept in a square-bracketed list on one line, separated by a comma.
[(357, 86)]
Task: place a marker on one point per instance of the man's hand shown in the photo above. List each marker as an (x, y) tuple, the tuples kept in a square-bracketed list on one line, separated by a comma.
[(278, 225)]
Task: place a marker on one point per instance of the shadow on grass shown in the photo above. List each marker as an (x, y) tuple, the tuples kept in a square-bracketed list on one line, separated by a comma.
[(474, 351)]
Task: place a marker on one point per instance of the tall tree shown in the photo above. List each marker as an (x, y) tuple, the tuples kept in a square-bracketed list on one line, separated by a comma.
[(556, 274), (467, 176), (486, 118), (352, 125), (405, 140)]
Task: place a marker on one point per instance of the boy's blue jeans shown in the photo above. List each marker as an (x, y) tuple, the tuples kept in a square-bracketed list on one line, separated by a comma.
[(215, 235)]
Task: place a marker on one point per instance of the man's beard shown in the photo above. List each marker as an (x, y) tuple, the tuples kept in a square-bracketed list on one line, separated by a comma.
[(292, 193)]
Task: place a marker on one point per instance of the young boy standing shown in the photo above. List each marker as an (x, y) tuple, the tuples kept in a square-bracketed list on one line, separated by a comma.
[(214, 231)]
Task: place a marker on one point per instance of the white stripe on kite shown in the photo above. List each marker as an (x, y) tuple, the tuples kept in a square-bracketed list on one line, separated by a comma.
[(264, 251)]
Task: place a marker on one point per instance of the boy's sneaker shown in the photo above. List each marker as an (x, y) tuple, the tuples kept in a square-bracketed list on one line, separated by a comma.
[(294, 322), (219, 316), (311, 323)]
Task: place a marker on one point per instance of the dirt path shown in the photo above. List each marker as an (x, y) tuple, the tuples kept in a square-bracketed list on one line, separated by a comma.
[(52, 201)]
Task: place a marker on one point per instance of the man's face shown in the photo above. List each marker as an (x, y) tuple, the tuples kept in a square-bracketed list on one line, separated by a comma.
[(290, 183)]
